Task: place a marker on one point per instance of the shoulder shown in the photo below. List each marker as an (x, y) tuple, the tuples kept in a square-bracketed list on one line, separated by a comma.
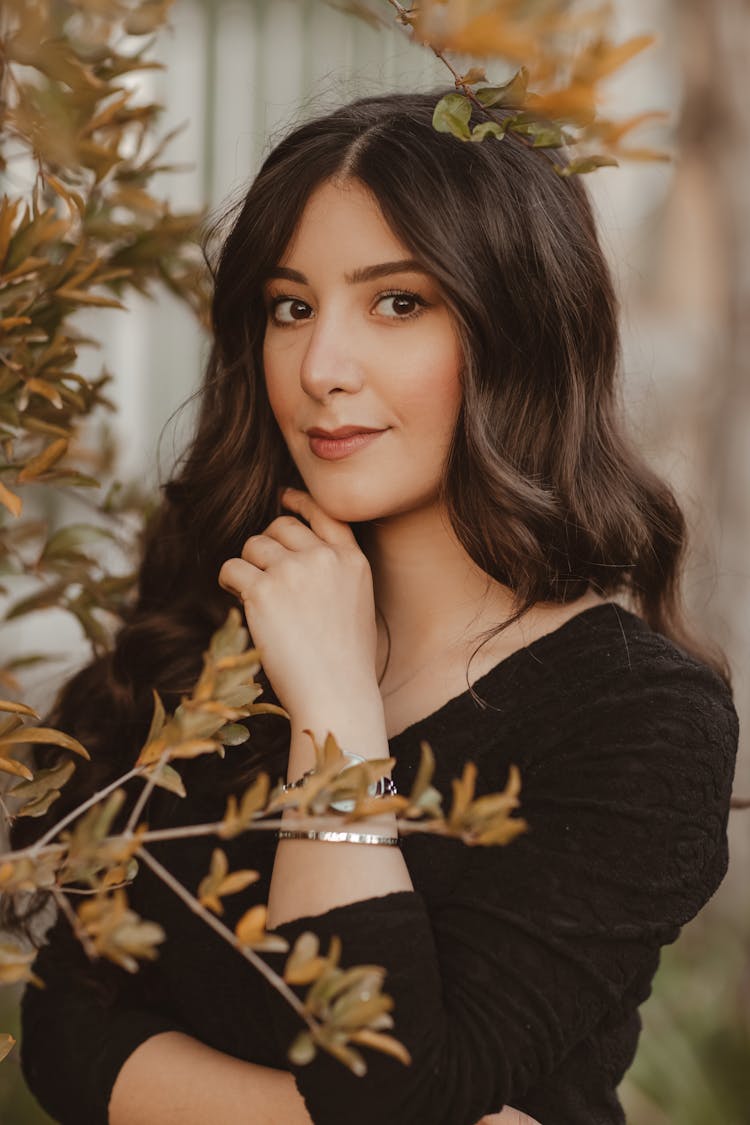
[(608, 660)]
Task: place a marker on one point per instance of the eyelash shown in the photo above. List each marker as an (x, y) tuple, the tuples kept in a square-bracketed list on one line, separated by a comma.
[(420, 301)]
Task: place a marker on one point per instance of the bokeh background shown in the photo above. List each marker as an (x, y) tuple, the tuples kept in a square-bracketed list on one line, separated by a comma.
[(238, 74)]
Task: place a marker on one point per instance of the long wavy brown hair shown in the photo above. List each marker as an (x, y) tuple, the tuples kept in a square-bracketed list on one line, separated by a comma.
[(545, 491)]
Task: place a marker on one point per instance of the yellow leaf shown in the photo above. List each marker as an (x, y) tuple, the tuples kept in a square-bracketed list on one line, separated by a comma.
[(605, 57), (645, 155), (9, 500), (237, 881), (250, 931), (473, 74), (45, 735), (157, 721), (82, 297), (252, 925), (612, 132), (379, 1042), (488, 34), (190, 748), (10, 765), (46, 390), (48, 457), (267, 709), (500, 832), (463, 792), (8, 211), (114, 876), (72, 198), (17, 708), (27, 266)]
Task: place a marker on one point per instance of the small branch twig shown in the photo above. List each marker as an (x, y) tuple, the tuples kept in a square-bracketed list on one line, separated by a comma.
[(145, 794), (403, 18), (189, 831), (34, 850), (224, 932), (78, 930)]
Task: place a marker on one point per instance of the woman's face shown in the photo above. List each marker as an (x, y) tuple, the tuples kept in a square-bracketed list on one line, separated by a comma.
[(379, 351)]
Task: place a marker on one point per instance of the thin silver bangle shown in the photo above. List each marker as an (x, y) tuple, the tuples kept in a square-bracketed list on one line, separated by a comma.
[(339, 837)]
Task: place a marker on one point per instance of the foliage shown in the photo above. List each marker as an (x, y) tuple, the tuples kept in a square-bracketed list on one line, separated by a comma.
[(564, 52), (85, 234), (342, 1007)]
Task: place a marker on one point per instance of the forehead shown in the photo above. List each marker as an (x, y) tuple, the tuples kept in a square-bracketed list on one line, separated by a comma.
[(342, 222)]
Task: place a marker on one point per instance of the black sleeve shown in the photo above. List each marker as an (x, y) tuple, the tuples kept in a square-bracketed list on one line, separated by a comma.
[(77, 1032), (557, 931)]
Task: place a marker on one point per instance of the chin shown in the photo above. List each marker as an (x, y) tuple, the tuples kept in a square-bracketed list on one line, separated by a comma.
[(349, 505)]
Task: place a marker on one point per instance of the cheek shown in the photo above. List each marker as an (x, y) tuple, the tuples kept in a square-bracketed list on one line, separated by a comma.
[(274, 383), (434, 395)]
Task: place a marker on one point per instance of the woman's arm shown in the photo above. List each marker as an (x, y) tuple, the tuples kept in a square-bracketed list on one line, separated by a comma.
[(540, 942), (173, 1079)]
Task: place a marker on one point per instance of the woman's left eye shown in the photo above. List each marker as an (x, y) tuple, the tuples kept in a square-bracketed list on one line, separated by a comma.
[(399, 299)]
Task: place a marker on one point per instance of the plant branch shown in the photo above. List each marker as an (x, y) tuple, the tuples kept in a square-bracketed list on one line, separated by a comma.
[(145, 794), (35, 849), (224, 932), (78, 930), (402, 15)]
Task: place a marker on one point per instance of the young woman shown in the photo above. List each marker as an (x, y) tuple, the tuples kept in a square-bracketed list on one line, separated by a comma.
[(450, 301)]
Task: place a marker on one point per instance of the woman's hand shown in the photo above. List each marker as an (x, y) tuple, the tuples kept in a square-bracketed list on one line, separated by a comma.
[(308, 598)]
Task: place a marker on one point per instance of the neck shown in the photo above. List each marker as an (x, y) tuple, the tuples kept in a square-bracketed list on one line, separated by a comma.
[(427, 587)]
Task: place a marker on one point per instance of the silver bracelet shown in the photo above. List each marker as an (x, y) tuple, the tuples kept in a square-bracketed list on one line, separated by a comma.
[(338, 837), (383, 787)]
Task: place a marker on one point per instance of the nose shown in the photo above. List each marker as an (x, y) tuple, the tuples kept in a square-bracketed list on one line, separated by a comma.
[(331, 360)]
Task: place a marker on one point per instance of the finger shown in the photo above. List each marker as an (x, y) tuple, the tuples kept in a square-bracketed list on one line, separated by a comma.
[(292, 532), (333, 531), (239, 578), (262, 551)]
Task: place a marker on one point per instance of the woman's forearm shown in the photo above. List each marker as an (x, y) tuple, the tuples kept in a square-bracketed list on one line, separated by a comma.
[(173, 1079), (310, 877)]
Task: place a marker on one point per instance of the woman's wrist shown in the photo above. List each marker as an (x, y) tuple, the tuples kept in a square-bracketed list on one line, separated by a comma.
[(356, 720)]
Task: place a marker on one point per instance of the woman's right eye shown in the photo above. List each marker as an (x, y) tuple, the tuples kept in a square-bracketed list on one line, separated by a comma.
[(295, 303)]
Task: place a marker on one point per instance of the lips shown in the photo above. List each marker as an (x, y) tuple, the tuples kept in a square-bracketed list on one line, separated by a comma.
[(341, 432), (333, 449)]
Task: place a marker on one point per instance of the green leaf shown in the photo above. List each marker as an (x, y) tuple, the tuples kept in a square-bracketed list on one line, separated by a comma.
[(67, 542), (543, 135), (512, 93), (233, 734), (231, 638), (488, 129), (157, 722), (39, 805), (302, 1050), (44, 781), (586, 164), (168, 778), (451, 115)]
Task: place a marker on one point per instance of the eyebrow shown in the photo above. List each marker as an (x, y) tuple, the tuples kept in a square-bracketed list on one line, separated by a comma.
[(366, 273)]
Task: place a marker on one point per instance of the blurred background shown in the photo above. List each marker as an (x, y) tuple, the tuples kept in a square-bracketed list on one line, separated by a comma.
[(239, 73)]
